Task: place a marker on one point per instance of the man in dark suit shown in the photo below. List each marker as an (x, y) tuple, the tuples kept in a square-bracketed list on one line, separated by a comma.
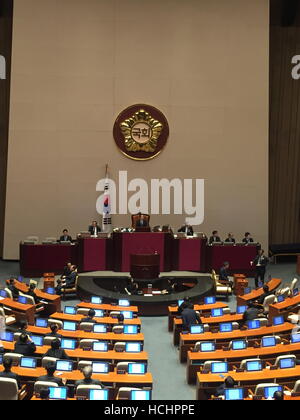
[(266, 293), (229, 383), (185, 304), (56, 351), (247, 239), (230, 238), (224, 273), (54, 328), (25, 346), (87, 373), (67, 270), (142, 221), (94, 229), (7, 373), (70, 280), (11, 286), (90, 317), (65, 236), (187, 229), (253, 311), (260, 262), (190, 317), (50, 368), (214, 238)]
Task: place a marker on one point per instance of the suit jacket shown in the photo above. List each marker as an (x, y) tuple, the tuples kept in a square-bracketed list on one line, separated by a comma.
[(57, 354), (92, 229), (224, 274), (46, 378), (190, 317), (247, 240), (141, 223), (189, 231), (65, 238), (11, 375), (27, 349), (263, 260), (14, 291), (213, 239), (230, 240), (88, 382), (250, 314), (71, 279)]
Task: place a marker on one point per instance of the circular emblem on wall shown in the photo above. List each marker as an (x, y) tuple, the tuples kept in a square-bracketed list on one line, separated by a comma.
[(141, 132)]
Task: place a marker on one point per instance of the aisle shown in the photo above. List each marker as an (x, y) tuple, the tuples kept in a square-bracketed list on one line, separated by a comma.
[(168, 374)]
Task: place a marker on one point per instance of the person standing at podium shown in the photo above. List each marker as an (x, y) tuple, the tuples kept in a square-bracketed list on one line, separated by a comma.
[(214, 238), (187, 229), (142, 221), (65, 236), (94, 229)]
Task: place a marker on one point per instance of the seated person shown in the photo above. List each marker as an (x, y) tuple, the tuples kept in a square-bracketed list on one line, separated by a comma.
[(190, 317), (142, 221), (11, 286), (87, 373), (247, 239), (187, 229), (54, 328), (23, 327), (31, 292), (266, 293), (25, 346), (67, 283), (230, 238), (185, 304), (132, 288), (120, 319), (56, 351), (170, 287), (278, 396), (94, 229), (50, 368), (44, 394), (7, 373), (252, 312), (65, 236), (214, 238), (229, 383), (67, 270), (90, 317), (224, 274)]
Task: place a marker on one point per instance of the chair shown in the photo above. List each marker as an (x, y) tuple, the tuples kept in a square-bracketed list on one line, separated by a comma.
[(296, 389), (8, 390), (260, 389), (226, 311), (120, 346), (207, 365), (290, 356), (220, 288), (125, 393), (136, 217), (84, 363), (15, 357), (118, 329), (114, 314), (263, 321), (17, 336), (39, 385), (48, 340), (9, 319), (56, 322), (86, 326), (294, 318), (31, 301), (269, 300), (83, 311), (83, 391), (245, 361), (87, 344), (70, 291), (294, 284), (122, 367), (48, 360), (9, 293)]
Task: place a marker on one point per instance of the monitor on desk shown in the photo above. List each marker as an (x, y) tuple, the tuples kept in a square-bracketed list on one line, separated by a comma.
[(70, 310), (100, 367), (64, 365), (247, 290), (253, 366), (268, 342), (209, 300), (234, 394), (280, 299), (295, 292), (133, 347), (68, 344), (130, 329), (28, 362), (99, 313), (58, 393), (101, 346), (41, 323), (69, 326), (253, 325), (38, 340), (269, 391), (287, 363), (100, 328), (219, 367), (207, 347), (295, 338), (239, 344), (137, 368), (197, 329), (140, 395), (240, 310), (23, 300), (226, 327), (127, 314), (124, 303), (278, 320), (3, 293), (50, 291), (98, 394), (217, 312), (96, 300), (7, 336)]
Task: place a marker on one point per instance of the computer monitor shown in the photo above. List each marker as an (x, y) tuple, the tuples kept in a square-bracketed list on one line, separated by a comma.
[(130, 329), (280, 299), (217, 312), (219, 367), (59, 393), (3, 293), (70, 310), (99, 313), (209, 300), (253, 325), (50, 291), (100, 367), (234, 394), (268, 342), (38, 341), (124, 303), (295, 292), (180, 302), (127, 314), (278, 320), (226, 327), (28, 362), (197, 329), (101, 346), (247, 290), (253, 366), (7, 336), (269, 391), (287, 363), (207, 347), (260, 284), (23, 300), (64, 365), (137, 368), (239, 345), (69, 326), (133, 347), (98, 394), (96, 300), (20, 279), (100, 328), (240, 310), (68, 344), (41, 323), (140, 395), (295, 338), (1, 359)]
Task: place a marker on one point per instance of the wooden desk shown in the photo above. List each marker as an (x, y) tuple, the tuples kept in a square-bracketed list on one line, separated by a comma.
[(104, 320), (20, 311), (207, 383), (54, 301), (107, 307), (255, 294), (187, 341), (173, 311), (235, 357), (283, 308)]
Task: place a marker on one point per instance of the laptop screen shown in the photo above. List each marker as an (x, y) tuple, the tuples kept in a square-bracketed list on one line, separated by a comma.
[(269, 391), (268, 342), (100, 346), (69, 326), (209, 300), (137, 368), (7, 336), (127, 314), (196, 329), (133, 347), (50, 291), (22, 299), (100, 367), (234, 394), (100, 328), (207, 347), (124, 302), (239, 345), (70, 310), (217, 312), (280, 299), (28, 362), (59, 393), (68, 344), (98, 394), (219, 367), (253, 366), (253, 325), (140, 395), (41, 323), (99, 313), (295, 338), (241, 309), (287, 363), (180, 302), (130, 329), (96, 300), (64, 365), (278, 320), (226, 327), (3, 293), (247, 290), (38, 341)]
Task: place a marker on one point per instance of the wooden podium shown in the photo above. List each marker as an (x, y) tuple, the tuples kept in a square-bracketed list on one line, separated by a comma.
[(145, 266)]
